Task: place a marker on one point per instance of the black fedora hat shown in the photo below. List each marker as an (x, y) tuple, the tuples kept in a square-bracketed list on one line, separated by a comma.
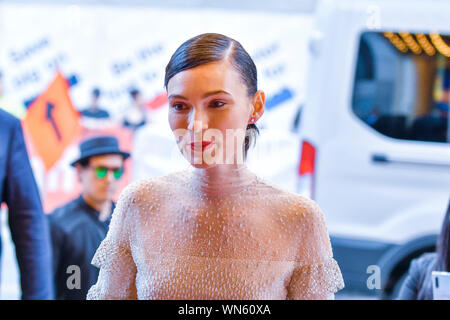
[(99, 145)]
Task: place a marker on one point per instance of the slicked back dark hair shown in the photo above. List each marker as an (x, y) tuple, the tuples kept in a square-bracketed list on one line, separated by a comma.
[(213, 47)]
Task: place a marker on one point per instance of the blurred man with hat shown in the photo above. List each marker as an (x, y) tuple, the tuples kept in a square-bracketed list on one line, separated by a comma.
[(78, 227)]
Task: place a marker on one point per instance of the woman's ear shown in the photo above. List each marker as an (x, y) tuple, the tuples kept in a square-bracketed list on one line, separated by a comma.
[(258, 102)]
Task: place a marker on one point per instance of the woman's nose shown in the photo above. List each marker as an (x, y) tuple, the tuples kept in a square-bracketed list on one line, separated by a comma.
[(198, 121)]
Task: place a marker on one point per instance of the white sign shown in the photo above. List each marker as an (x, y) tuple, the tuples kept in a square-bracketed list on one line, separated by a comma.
[(116, 48)]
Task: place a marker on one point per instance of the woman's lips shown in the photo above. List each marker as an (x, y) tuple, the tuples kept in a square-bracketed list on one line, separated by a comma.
[(203, 145)]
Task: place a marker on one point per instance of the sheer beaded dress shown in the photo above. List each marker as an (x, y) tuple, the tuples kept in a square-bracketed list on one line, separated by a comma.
[(167, 240)]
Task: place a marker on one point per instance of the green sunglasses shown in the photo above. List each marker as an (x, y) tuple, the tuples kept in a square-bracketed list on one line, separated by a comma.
[(101, 172)]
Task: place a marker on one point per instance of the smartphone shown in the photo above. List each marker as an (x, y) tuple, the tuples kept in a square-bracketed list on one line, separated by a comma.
[(441, 285)]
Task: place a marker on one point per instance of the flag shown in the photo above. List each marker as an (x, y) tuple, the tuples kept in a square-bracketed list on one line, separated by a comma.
[(157, 102), (52, 122)]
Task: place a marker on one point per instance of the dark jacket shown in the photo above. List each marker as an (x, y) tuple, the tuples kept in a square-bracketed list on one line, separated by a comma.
[(29, 230), (76, 233), (419, 275), (98, 114)]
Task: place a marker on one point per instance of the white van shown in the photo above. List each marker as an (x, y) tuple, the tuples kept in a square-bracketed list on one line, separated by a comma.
[(375, 152)]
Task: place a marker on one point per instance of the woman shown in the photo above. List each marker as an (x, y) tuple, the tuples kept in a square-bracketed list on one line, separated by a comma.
[(215, 231), (418, 283)]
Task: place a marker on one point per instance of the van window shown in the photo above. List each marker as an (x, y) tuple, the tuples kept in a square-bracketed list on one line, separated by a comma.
[(402, 85)]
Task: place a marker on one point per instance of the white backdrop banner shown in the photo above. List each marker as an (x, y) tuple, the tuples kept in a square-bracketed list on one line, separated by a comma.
[(116, 48)]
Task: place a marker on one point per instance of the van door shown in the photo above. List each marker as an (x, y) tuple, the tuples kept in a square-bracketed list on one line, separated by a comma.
[(393, 182)]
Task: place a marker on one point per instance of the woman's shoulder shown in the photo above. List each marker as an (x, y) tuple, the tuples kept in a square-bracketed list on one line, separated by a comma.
[(306, 214), (295, 214), (303, 220), (298, 206)]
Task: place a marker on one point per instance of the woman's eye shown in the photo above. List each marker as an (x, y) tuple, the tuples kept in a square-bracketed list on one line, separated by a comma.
[(217, 104), (178, 106)]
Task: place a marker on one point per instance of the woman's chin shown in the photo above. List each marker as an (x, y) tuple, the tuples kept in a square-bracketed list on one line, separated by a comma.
[(200, 160), (202, 165)]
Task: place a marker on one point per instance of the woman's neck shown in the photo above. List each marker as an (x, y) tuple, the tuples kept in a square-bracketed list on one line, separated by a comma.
[(222, 180)]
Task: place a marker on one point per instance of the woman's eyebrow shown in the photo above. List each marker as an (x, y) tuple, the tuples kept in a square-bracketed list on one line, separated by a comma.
[(176, 96), (211, 93)]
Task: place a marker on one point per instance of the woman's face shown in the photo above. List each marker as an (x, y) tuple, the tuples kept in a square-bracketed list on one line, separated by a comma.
[(209, 109)]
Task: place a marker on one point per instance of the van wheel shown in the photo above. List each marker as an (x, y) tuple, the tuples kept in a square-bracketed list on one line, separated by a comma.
[(398, 286)]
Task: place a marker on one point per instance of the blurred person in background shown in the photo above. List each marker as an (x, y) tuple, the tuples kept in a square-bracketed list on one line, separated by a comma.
[(418, 284), (78, 227), (29, 230), (94, 117), (136, 115), (94, 110)]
